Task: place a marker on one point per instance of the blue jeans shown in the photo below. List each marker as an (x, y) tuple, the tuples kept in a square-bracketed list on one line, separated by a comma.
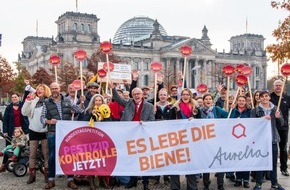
[(51, 157), (273, 173)]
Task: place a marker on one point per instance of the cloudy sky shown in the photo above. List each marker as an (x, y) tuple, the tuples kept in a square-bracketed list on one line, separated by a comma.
[(223, 18)]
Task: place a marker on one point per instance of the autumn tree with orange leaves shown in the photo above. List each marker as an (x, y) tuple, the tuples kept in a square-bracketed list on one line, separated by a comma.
[(280, 52), (7, 76), (68, 73), (41, 76)]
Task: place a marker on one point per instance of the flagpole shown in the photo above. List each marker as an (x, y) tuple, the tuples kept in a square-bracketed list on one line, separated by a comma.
[(246, 25), (36, 27)]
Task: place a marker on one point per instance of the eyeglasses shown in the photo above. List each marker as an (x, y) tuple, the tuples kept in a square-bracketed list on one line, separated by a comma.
[(136, 94)]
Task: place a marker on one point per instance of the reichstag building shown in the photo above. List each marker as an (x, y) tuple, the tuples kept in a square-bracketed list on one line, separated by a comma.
[(141, 40)]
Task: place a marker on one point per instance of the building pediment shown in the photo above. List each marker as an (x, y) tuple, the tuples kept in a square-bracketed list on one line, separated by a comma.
[(198, 47)]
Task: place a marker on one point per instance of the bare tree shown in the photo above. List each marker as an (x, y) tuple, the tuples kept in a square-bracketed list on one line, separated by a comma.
[(169, 77), (216, 73)]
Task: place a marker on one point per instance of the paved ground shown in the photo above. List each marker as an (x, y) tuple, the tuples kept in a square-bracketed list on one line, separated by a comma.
[(8, 181)]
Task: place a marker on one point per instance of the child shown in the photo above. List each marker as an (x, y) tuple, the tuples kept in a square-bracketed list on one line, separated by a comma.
[(18, 141)]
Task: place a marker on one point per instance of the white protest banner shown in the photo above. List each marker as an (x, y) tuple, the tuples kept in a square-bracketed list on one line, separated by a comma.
[(163, 147), (121, 72)]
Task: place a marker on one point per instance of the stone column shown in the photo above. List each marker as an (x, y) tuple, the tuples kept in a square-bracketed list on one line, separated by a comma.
[(189, 66), (197, 72), (177, 65), (204, 72), (188, 82)]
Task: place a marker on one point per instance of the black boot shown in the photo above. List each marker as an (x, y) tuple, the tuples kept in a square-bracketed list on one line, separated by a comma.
[(238, 183), (131, 183), (146, 186)]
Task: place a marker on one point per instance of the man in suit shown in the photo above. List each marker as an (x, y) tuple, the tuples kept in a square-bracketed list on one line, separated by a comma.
[(135, 109)]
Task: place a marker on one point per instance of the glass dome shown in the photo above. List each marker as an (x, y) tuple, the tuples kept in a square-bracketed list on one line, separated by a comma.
[(136, 29)]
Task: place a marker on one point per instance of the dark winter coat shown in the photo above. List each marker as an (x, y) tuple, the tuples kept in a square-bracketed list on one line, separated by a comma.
[(284, 108), (8, 120)]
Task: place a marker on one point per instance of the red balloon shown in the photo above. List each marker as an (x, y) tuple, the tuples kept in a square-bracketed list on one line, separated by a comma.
[(76, 84), (285, 70), (156, 67), (239, 68), (54, 60), (247, 71), (185, 50), (228, 70), (106, 47), (241, 80), (102, 73), (80, 55), (201, 88), (111, 66)]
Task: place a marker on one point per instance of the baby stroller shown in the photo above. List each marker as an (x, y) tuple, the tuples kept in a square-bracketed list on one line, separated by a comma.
[(20, 167)]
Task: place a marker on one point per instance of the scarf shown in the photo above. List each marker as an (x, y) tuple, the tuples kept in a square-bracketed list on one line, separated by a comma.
[(185, 109), (137, 114), (15, 104), (208, 112), (267, 111), (39, 103)]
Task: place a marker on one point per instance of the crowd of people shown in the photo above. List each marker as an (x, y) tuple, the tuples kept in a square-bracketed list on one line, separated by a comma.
[(44, 106)]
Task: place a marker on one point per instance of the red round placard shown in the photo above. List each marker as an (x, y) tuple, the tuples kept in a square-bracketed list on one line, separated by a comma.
[(241, 80), (111, 66), (156, 67), (102, 73), (106, 47), (247, 71), (54, 60), (285, 70), (201, 88), (185, 50), (80, 55), (228, 70), (76, 84), (239, 68)]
